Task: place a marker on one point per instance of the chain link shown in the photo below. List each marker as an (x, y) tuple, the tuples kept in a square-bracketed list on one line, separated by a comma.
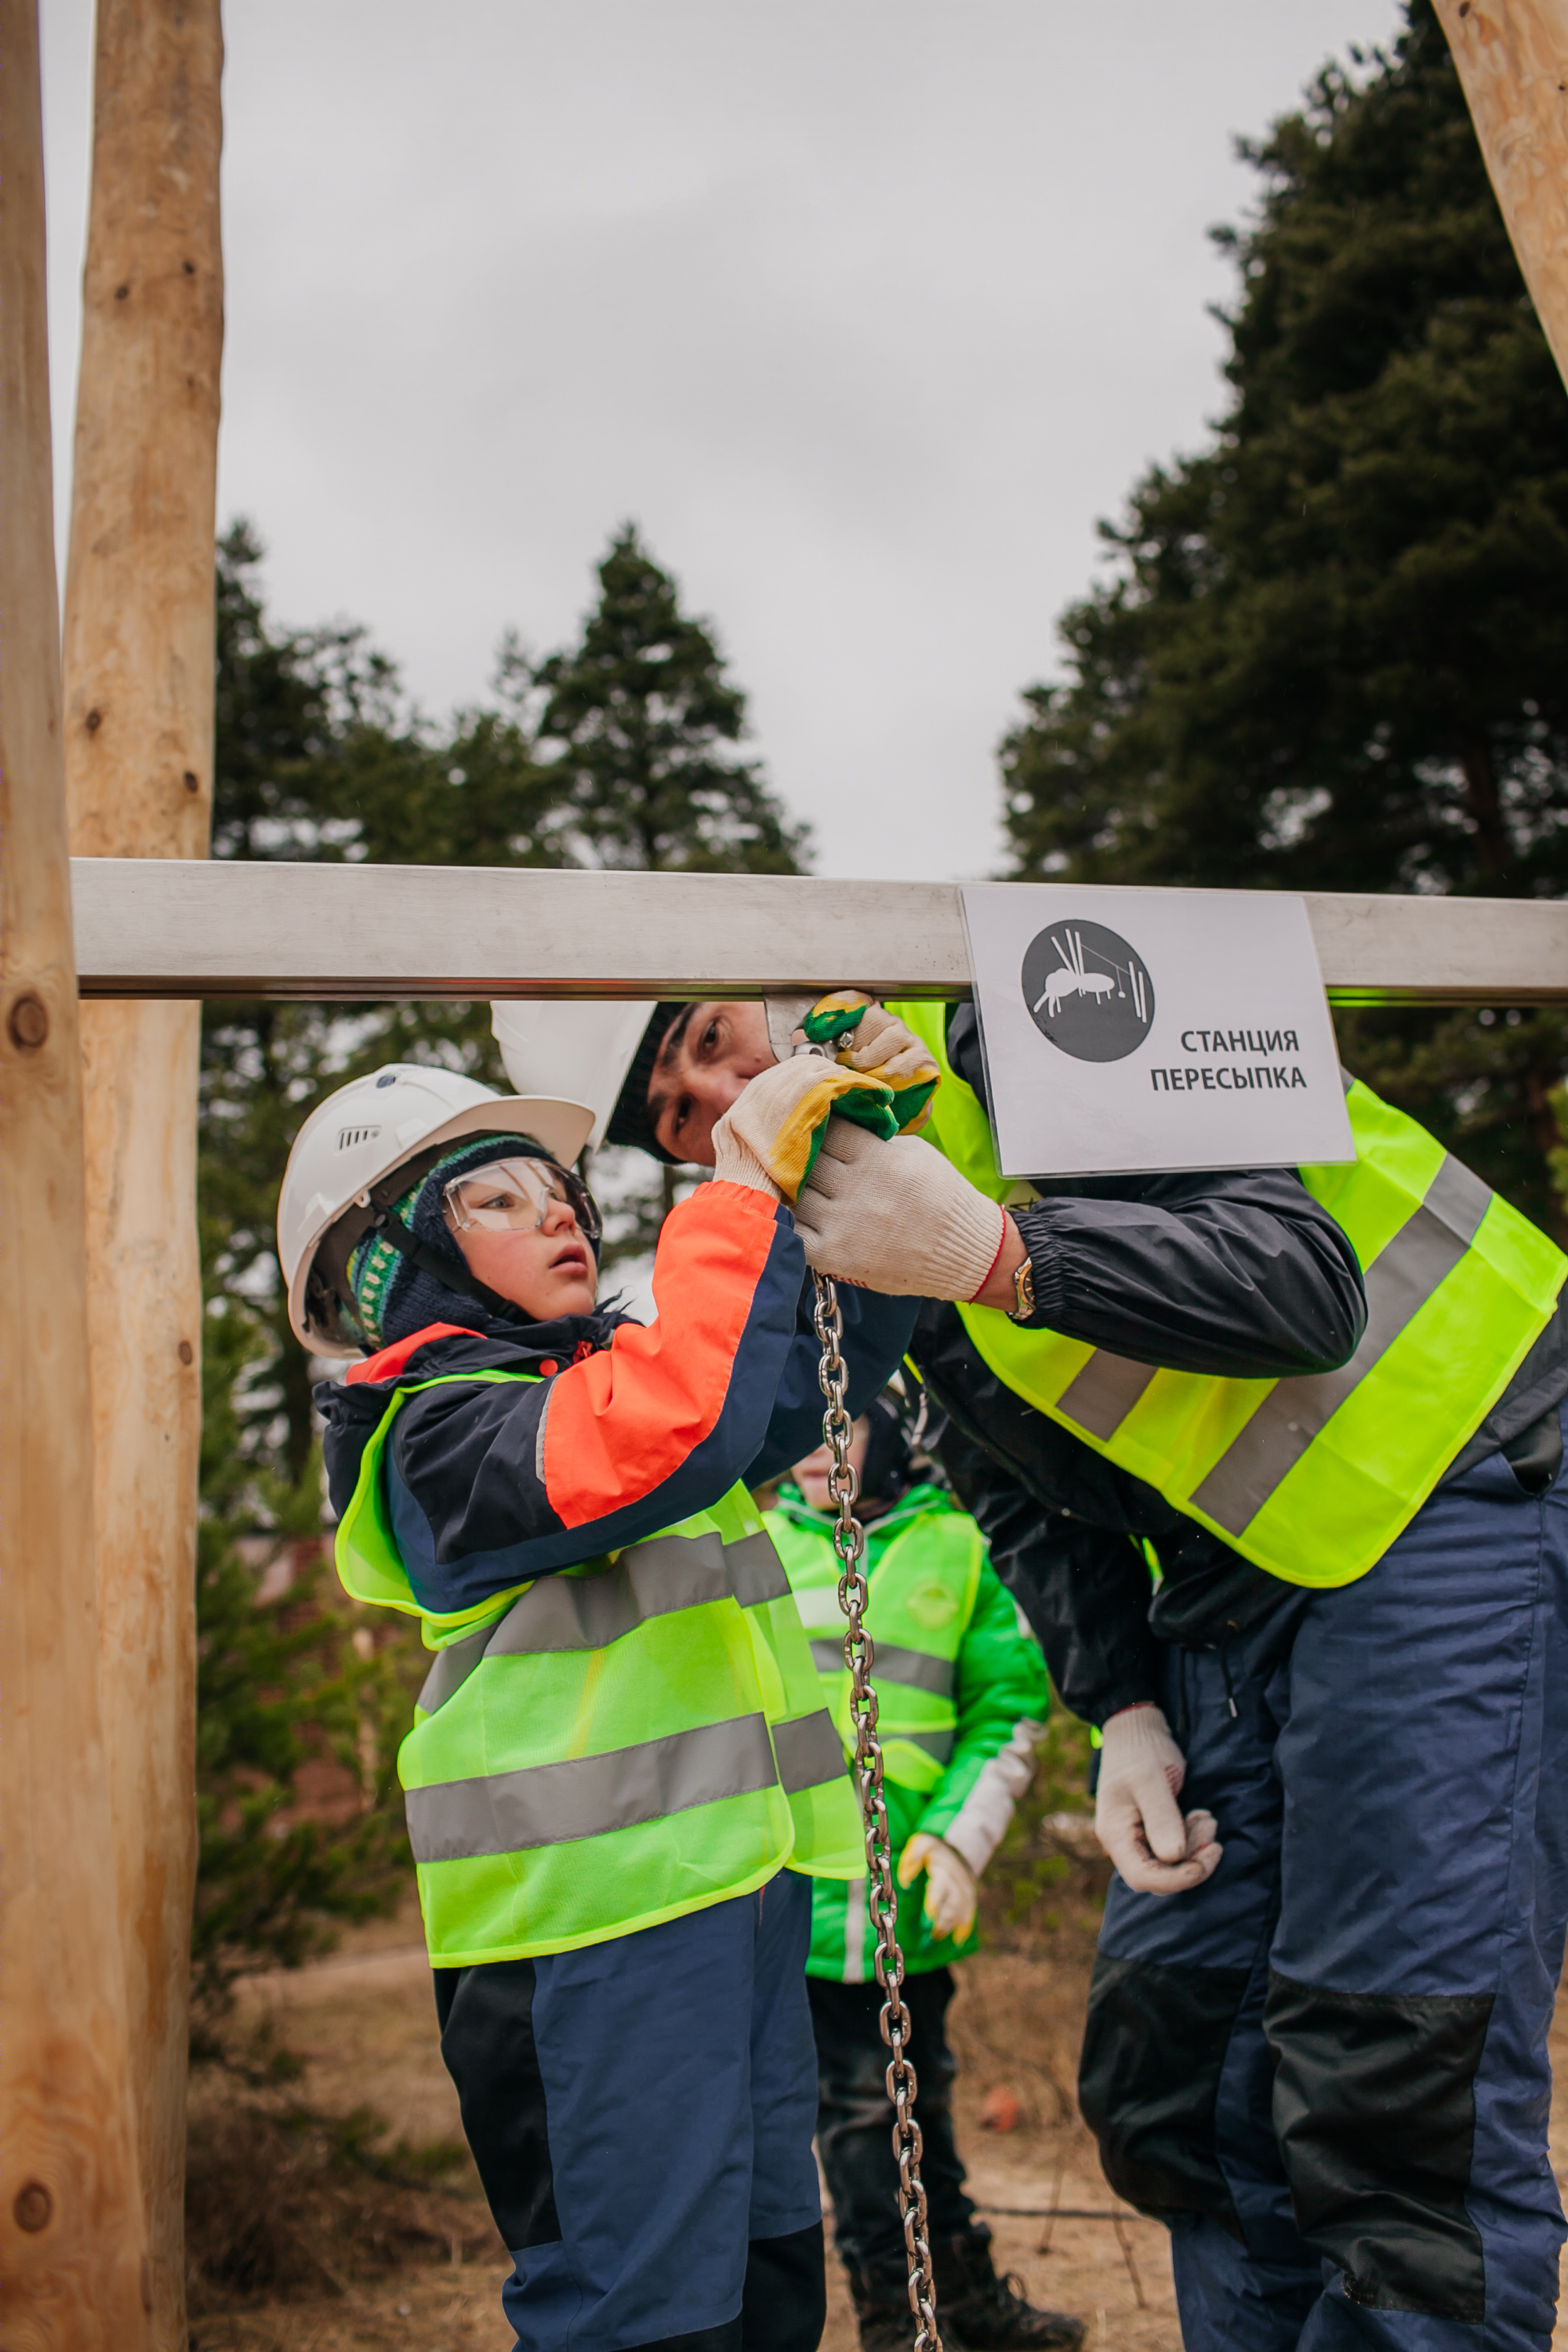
[(849, 1543)]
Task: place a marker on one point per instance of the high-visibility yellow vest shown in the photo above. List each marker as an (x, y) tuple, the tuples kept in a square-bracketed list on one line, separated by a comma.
[(1311, 1478), (600, 1750), (921, 1599)]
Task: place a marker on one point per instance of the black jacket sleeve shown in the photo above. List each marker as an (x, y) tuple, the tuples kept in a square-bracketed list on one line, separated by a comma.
[(1240, 1274), (1084, 1590)]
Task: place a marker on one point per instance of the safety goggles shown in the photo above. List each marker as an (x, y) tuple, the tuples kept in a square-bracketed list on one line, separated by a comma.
[(516, 1196)]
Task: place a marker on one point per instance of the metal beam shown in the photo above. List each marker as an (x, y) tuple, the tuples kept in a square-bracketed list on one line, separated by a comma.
[(169, 926)]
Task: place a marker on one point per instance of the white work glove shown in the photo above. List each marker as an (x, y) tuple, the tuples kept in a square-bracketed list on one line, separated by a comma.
[(952, 1891), (772, 1132), (1136, 1817), (894, 1216)]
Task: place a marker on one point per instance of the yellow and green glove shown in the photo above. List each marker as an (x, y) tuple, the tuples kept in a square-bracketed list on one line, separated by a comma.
[(865, 1036), (770, 1136)]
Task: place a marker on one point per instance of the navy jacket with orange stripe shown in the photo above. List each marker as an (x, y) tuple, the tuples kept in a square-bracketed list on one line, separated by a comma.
[(630, 1427)]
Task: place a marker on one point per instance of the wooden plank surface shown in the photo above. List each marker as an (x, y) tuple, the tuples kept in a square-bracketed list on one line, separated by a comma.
[(168, 926)]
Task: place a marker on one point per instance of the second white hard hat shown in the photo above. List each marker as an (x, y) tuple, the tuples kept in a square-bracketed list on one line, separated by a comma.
[(572, 1045), (364, 1132)]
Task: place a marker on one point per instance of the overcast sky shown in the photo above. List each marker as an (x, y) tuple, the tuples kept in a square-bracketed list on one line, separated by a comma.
[(865, 310)]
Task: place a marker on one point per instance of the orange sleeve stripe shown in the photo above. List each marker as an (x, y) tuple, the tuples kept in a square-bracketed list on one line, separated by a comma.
[(621, 1423), (389, 1362)]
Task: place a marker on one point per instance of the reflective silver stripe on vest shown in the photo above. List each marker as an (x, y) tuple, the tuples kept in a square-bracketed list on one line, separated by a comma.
[(935, 1743), (1101, 1394), (553, 1804), (587, 1613), (1399, 1282), (809, 1751), (916, 1669), (756, 1572), (452, 1668)]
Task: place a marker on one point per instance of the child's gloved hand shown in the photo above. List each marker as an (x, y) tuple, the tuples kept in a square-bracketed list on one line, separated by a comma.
[(952, 1891), (770, 1136), (881, 1046)]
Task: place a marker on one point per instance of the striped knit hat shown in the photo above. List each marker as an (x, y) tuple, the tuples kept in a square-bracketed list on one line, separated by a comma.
[(393, 1296)]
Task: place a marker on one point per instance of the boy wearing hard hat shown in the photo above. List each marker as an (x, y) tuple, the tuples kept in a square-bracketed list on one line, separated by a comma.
[(962, 1691), (620, 1757)]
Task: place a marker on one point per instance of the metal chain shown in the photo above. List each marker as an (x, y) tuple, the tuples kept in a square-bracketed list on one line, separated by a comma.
[(849, 1543)]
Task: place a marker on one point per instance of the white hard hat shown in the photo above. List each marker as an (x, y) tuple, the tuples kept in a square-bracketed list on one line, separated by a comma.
[(586, 1048), (369, 1128)]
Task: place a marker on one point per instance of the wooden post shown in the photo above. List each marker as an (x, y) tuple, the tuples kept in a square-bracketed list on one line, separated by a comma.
[(1512, 57), (139, 660), (72, 2269)]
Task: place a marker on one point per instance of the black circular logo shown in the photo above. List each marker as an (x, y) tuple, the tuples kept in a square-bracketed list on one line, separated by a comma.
[(1086, 991)]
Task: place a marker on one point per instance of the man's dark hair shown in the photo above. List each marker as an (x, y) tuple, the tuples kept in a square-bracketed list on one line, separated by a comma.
[(629, 1121)]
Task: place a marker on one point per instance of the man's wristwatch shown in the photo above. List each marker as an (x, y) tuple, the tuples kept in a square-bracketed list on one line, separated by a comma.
[(1023, 1305)]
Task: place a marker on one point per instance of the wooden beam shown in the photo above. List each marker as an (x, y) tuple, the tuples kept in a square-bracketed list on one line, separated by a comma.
[(364, 932), (73, 2273), (1512, 57), (139, 662)]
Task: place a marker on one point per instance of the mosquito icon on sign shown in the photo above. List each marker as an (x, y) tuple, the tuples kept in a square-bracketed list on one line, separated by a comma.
[(1088, 990)]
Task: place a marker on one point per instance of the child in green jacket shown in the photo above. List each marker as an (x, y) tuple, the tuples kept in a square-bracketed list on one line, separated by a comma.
[(962, 1694)]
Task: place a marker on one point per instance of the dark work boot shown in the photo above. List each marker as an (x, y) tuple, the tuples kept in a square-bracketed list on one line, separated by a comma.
[(881, 2297), (988, 2314)]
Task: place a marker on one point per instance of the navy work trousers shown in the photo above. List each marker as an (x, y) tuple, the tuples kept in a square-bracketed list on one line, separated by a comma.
[(641, 2114), (1326, 2068)]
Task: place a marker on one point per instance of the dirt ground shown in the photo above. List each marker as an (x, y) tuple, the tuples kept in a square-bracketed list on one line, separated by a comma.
[(365, 2024)]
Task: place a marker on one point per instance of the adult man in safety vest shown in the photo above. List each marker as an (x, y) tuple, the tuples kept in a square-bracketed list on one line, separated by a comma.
[(620, 1757), (961, 1694), (1326, 1406)]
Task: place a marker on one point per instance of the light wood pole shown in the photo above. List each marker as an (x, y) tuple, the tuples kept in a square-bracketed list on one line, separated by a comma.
[(1512, 57), (73, 2271), (139, 664)]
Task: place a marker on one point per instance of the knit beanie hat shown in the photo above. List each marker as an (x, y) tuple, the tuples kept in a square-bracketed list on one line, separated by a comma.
[(629, 1121), (393, 1296)]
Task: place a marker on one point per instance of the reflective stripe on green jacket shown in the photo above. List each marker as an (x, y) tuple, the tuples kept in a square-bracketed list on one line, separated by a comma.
[(961, 1694), (1311, 1478), (631, 1739)]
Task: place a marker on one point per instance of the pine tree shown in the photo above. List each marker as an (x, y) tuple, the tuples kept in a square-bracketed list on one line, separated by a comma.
[(287, 705), (1332, 651), (644, 724), (317, 757), (282, 1685)]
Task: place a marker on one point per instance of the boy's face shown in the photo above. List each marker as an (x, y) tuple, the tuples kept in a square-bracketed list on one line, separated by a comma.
[(708, 1055), (547, 1272)]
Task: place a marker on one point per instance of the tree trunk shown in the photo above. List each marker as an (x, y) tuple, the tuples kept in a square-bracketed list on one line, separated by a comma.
[(139, 669), (1494, 851), (73, 2274), (1512, 57)]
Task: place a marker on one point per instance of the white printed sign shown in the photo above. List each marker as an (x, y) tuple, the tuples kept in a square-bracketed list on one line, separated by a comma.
[(1142, 1030)]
